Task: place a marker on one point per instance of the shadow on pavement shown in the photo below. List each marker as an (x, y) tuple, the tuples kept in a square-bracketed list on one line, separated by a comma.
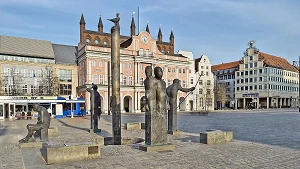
[(75, 127)]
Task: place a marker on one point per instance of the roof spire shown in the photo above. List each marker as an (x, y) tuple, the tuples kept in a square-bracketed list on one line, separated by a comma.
[(82, 19), (159, 34), (171, 35), (100, 24), (147, 27), (132, 21)]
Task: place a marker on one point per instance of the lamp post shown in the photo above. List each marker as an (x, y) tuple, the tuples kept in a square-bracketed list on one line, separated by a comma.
[(297, 65)]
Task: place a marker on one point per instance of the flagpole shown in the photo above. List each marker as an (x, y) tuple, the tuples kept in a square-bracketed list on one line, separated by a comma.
[(138, 19)]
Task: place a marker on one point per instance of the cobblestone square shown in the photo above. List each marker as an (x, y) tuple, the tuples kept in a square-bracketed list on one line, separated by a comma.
[(262, 139)]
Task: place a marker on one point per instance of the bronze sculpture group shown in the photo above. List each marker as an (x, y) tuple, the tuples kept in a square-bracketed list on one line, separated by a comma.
[(157, 99)]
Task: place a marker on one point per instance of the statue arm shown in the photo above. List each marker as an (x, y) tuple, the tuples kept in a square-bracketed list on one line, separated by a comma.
[(89, 90), (185, 89)]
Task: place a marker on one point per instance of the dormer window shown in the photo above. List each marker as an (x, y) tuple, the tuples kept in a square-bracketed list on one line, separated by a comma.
[(105, 43), (168, 51), (88, 40), (163, 51), (96, 42)]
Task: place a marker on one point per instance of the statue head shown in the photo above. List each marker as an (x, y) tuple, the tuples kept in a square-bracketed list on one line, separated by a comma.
[(95, 87), (176, 81), (158, 72), (148, 71), (36, 107)]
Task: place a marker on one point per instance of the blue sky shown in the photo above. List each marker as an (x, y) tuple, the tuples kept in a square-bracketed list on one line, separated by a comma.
[(220, 29)]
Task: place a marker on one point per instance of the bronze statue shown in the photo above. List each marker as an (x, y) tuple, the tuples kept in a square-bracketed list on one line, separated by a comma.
[(42, 124), (95, 104), (172, 92), (115, 69), (156, 114)]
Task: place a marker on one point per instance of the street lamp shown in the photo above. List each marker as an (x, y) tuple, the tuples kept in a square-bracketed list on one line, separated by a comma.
[(297, 65)]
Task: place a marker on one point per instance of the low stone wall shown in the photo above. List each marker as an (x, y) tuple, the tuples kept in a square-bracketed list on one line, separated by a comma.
[(216, 137), (59, 153)]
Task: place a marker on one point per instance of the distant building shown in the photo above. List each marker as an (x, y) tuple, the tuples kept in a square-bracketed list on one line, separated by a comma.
[(34, 71), (265, 81), (203, 95), (224, 77)]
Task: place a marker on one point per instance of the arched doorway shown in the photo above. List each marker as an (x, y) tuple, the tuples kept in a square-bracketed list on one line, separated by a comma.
[(143, 104), (182, 106), (128, 104)]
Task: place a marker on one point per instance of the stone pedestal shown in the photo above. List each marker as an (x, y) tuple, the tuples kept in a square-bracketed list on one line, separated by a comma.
[(58, 153), (158, 148), (216, 137), (133, 126)]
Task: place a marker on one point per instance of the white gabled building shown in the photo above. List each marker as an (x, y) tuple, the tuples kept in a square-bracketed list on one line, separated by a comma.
[(202, 98)]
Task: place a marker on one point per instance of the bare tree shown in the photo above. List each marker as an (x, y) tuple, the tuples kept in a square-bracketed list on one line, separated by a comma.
[(48, 83), (204, 97), (220, 93), (12, 82)]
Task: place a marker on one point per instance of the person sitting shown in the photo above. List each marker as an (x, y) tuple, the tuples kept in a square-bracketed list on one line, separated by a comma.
[(43, 123)]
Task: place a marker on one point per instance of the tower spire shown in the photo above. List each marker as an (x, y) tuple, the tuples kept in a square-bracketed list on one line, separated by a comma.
[(82, 20), (147, 27), (132, 25), (100, 25), (172, 37), (159, 34)]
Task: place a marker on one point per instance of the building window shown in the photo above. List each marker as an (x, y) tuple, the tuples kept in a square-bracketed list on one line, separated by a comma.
[(173, 70), (208, 82), (208, 91), (251, 65), (124, 80), (260, 71), (183, 83), (95, 79), (93, 62), (169, 82), (32, 73), (237, 88), (169, 69), (237, 73), (202, 67), (101, 79), (130, 66), (32, 89), (251, 58), (88, 40), (246, 66), (105, 43), (192, 81), (65, 75), (200, 91), (207, 67), (24, 89), (130, 80), (183, 70), (96, 42), (206, 73), (179, 70), (255, 64), (100, 63), (141, 81), (124, 65), (142, 67), (201, 82), (65, 89)]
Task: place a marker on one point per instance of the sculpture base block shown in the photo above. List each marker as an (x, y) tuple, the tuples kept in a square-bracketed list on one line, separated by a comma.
[(98, 139), (31, 145), (174, 133), (58, 153), (157, 148), (133, 126), (216, 137)]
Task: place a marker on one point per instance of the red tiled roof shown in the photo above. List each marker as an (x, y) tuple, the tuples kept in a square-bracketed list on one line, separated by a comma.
[(277, 62), (225, 66)]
